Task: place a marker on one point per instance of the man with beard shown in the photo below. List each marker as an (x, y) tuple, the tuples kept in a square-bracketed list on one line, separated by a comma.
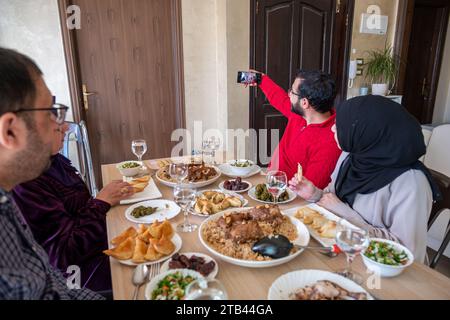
[(28, 122), (308, 139)]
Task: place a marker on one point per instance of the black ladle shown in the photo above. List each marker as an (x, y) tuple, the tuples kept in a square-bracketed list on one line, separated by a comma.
[(277, 247)]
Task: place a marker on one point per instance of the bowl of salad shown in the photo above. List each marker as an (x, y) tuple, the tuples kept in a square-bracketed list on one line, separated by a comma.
[(241, 167), (387, 258), (171, 285), (129, 168)]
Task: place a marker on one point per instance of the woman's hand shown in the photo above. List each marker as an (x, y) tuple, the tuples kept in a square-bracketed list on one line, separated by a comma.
[(329, 201), (305, 189), (116, 191)]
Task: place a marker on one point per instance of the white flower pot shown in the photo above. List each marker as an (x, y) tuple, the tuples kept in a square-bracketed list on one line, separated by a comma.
[(380, 89)]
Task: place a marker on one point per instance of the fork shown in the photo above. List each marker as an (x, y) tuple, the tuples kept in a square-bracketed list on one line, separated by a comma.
[(154, 270)]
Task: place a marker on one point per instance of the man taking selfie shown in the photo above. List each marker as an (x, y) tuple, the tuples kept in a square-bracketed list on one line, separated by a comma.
[(308, 139)]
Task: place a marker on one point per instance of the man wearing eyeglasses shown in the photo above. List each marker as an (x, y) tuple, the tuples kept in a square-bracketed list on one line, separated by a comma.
[(28, 121), (308, 139)]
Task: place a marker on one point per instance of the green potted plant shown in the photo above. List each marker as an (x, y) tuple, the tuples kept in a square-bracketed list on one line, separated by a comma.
[(382, 68)]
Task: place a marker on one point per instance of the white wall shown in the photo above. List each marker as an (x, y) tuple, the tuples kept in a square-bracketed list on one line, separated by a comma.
[(216, 41), (33, 28), (442, 105)]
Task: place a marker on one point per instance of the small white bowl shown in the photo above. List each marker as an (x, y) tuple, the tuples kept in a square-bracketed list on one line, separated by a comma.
[(384, 270), (153, 284), (129, 172), (241, 171)]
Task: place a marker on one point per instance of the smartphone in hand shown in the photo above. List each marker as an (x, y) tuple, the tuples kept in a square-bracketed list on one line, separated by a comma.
[(249, 78)]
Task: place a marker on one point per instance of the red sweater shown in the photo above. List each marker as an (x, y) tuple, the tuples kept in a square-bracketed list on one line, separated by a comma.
[(313, 146)]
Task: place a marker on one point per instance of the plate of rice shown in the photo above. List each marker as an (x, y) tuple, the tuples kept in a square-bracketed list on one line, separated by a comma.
[(230, 235)]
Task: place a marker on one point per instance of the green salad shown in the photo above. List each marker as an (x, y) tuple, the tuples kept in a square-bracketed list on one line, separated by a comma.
[(242, 164), (385, 253), (130, 165), (172, 287)]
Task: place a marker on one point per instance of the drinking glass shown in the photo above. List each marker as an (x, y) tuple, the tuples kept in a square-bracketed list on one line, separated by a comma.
[(203, 289), (206, 150), (276, 184), (178, 172), (214, 145), (352, 242), (139, 148), (185, 198)]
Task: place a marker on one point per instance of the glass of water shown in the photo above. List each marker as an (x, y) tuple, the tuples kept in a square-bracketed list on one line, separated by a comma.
[(184, 196), (178, 172), (352, 242), (206, 151), (214, 145), (276, 184), (139, 148), (203, 289)]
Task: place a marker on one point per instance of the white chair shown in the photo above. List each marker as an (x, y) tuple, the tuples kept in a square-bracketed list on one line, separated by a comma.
[(437, 159)]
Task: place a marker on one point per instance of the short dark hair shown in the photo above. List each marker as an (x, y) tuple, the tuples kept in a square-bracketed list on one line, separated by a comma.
[(319, 88), (17, 80)]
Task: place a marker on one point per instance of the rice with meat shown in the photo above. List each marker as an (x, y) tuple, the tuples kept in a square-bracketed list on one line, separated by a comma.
[(216, 238)]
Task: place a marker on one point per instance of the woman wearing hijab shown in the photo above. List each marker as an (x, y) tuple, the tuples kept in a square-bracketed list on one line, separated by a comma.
[(67, 221), (379, 184)]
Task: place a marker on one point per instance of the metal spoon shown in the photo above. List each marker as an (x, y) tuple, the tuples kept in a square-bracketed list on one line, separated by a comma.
[(140, 276), (279, 246)]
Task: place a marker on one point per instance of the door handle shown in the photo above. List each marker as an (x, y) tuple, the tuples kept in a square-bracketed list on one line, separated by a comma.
[(86, 95), (424, 88)]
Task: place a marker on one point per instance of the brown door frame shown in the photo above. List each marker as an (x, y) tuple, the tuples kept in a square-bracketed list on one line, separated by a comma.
[(337, 65), (401, 46), (74, 71)]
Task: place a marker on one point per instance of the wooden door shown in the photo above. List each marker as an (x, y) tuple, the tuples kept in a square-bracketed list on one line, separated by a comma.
[(288, 35), (129, 57), (429, 26)]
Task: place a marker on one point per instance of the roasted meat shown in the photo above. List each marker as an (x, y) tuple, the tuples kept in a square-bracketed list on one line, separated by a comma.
[(246, 231)]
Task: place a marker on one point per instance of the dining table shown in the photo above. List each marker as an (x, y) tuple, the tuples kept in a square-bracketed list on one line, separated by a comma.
[(417, 282)]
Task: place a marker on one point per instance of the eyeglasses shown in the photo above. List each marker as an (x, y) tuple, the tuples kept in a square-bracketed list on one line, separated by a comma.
[(290, 91), (58, 110)]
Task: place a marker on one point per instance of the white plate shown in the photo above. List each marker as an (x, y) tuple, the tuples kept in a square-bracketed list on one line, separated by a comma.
[(289, 283), (228, 171), (326, 242), (292, 196), (302, 239), (153, 284), (176, 239), (211, 276), (162, 214), (243, 200), (196, 185), (240, 191)]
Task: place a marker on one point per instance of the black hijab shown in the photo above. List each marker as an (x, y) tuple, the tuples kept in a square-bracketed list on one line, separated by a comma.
[(383, 141)]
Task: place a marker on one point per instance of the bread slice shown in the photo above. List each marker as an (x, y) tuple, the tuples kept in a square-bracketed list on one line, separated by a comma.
[(130, 232), (140, 250), (124, 251), (299, 172), (140, 187)]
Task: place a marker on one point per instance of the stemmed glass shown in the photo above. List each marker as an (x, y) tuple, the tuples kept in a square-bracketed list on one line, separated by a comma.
[(185, 198), (351, 241), (276, 182), (214, 145), (203, 289), (139, 148), (206, 150), (178, 172)]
